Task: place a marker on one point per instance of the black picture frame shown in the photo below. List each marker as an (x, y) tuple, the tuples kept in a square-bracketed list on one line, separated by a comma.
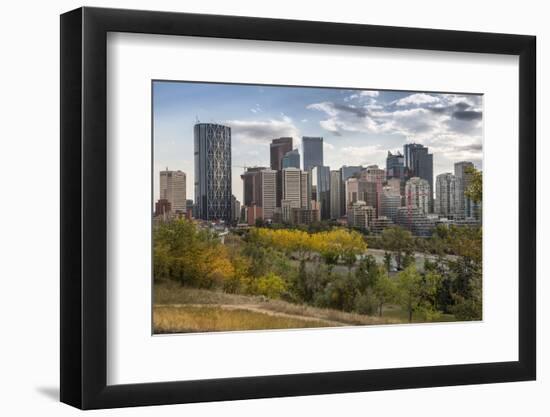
[(84, 207)]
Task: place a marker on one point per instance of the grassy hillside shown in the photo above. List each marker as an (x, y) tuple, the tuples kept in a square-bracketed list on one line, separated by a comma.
[(181, 310), (211, 318)]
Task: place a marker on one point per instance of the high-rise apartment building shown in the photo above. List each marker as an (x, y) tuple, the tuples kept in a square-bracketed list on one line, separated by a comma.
[(291, 159), (173, 188), (417, 194), (447, 195), (212, 144), (313, 152), (390, 201)]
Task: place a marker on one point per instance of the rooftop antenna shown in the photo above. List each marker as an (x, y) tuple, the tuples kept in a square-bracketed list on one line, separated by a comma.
[(197, 119)]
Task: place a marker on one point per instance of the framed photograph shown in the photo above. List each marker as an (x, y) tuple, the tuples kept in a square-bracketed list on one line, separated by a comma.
[(259, 208)]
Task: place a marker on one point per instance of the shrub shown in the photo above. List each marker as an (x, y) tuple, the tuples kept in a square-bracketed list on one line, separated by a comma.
[(270, 285)]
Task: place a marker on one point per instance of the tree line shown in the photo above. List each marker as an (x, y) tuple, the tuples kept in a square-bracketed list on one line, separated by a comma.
[(299, 266)]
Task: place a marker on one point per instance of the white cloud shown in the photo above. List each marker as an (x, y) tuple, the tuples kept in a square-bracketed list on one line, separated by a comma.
[(369, 93), (262, 131), (325, 106), (417, 99)]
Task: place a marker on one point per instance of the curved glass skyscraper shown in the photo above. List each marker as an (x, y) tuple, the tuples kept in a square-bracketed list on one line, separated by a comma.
[(213, 171)]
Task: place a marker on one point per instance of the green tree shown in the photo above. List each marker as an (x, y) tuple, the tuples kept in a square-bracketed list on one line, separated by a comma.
[(416, 292), (399, 241), (475, 189), (367, 273), (384, 290), (387, 261)]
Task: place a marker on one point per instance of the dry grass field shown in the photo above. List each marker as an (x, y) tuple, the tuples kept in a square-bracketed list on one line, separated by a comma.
[(180, 309), (211, 318)]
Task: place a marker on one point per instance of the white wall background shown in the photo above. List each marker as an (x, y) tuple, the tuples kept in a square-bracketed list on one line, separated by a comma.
[(29, 190)]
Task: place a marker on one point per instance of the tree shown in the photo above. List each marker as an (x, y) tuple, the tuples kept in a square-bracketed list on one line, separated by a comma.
[(385, 290), (387, 261), (409, 286), (416, 292), (397, 240), (475, 189), (367, 273), (339, 293), (189, 254), (271, 286)]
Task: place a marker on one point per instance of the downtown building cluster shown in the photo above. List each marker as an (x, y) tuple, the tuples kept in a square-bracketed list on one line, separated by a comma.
[(301, 189)]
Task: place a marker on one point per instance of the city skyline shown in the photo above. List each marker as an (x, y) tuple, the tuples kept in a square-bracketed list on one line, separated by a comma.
[(355, 125)]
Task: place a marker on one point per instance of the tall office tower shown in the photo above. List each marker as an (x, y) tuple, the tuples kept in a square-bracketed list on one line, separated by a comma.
[(395, 165), (390, 201), (447, 195), (419, 163), (162, 207), (370, 192), (320, 189), (370, 183), (213, 171), (292, 187), (373, 174), (252, 186), (305, 189), (286, 210), (235, 209), (416, 221), (350, 171), (268, 192), (417, 194), (313, 152), (352, 191), (397, 185), (346, 172), (466, 207), (277, 150), (335, 194), (291, 159), (173, 185), (360, 215)]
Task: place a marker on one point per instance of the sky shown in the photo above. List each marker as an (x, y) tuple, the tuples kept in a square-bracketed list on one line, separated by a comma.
[(358, 127)]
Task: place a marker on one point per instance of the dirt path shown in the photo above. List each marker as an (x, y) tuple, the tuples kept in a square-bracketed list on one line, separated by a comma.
[(257, 308)]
